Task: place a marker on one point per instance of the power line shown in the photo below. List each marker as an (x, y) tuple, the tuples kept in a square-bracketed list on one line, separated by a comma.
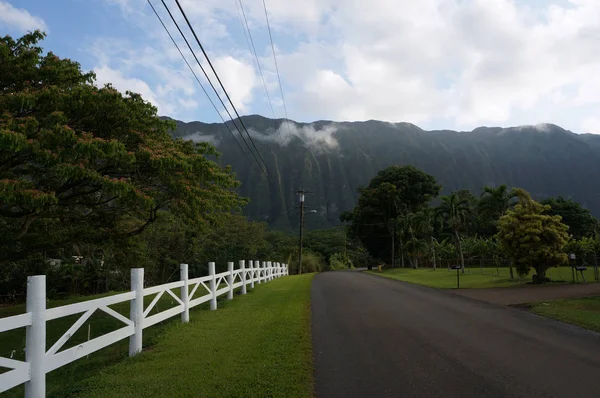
[(239, 119), (275, 59), (214, 89), (218, 79), (280, 85), (253, 49), (198, 80)]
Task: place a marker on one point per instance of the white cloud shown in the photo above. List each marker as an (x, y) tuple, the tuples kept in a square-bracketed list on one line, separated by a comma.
[(462, 62), (200, 137), (440, 63), (20, 18), (106, 74), (238, 78), (319, 139)]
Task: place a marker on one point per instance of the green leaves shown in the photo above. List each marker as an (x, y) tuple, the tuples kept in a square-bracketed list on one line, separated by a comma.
[(81, 163), (532, 238)]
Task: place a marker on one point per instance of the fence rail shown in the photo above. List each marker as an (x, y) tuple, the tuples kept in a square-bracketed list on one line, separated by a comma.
[(39, 360)]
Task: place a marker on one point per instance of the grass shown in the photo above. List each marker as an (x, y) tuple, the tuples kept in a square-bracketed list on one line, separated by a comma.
[(474, 277), (258, 345), (99, 323), (584, 312), (68, 379)]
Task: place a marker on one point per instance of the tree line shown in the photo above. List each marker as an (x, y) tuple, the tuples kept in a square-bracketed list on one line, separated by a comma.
[(93, 184), (400, 220)]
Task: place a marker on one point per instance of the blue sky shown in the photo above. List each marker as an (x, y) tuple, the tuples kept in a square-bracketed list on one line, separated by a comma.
[(452, 64)]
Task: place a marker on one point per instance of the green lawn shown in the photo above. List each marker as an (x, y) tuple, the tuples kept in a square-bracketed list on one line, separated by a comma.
[(584, 312), (98, 324), (474, 277), (71, 378), (258, 345)]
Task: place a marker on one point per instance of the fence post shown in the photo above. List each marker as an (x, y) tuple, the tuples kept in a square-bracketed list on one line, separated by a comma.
[(230, 280), (243, 275), (278, 273), (136, 311), (259, 271), (213, 286), (36, 336), (251, 274), (183, 274), (287, 270), (269, 270)]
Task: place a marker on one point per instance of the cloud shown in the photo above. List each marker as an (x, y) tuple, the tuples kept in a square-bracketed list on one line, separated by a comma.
[(238, 78), (106, 74), (440, 63), (20, 18), (323, 138), (447, 63), (200, 137)]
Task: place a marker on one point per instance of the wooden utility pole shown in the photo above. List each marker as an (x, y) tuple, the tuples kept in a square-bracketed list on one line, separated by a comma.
[(301, 193)]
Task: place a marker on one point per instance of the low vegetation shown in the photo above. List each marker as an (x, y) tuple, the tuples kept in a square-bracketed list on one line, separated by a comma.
[(584, 312), (476, 277), (254, 346)]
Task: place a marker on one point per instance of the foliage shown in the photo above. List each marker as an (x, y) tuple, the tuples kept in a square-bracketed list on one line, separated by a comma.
[(81, 164), (494, 202), (339, 261), (580, 221), (311, 262), (391, 195), (454, 211), (326, 242), (532, 238)]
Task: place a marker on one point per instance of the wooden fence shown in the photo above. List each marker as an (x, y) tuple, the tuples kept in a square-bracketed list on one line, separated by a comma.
[(39, 360)]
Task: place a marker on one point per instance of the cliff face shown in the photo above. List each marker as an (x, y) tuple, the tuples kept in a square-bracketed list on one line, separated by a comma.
[(333, 158)]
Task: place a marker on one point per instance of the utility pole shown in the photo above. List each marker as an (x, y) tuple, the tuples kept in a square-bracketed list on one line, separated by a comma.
[(301, 193)]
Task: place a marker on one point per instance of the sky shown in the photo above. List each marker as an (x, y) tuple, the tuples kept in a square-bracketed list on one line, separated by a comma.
[(440, 64)]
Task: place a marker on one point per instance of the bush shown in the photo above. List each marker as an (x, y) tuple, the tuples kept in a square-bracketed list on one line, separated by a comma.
[(339, 261)]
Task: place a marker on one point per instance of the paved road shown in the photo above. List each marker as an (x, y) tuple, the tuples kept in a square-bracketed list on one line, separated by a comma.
[(376, 337), (531, 294)]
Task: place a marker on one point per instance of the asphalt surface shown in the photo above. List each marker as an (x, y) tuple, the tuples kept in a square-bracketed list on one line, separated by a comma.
[(376, 337)]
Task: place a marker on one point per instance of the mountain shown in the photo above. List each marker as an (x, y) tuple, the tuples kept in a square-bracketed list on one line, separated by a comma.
[(333, 159)]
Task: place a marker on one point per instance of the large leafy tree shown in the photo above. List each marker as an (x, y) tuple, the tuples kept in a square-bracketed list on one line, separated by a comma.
[(455, 211), (81, 163), (391, 195), (531, 237), (581, 222)]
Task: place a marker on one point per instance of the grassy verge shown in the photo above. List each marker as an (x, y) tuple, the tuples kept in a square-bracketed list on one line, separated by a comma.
[(584, 312), (258, 345), (13, 342), (474, 277)]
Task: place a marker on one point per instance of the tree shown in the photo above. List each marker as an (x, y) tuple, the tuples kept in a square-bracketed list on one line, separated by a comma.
[(494, 202), (531, 237), (392, 194), (581, 222), (80, 164), (454, 211)]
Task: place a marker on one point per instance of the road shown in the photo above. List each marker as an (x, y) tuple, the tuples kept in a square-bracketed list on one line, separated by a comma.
[(376, 337)]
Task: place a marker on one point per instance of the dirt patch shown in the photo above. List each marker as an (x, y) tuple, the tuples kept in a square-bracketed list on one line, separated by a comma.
[(531, 293)]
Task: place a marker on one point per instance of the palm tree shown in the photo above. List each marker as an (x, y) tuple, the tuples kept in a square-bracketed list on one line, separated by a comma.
[(454, 212), (495, 201)]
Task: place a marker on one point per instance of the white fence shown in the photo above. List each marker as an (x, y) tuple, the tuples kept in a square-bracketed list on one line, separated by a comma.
[(39, 361)]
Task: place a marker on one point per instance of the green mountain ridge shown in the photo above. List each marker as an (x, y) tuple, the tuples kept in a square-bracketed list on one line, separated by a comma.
[(338, 157)]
